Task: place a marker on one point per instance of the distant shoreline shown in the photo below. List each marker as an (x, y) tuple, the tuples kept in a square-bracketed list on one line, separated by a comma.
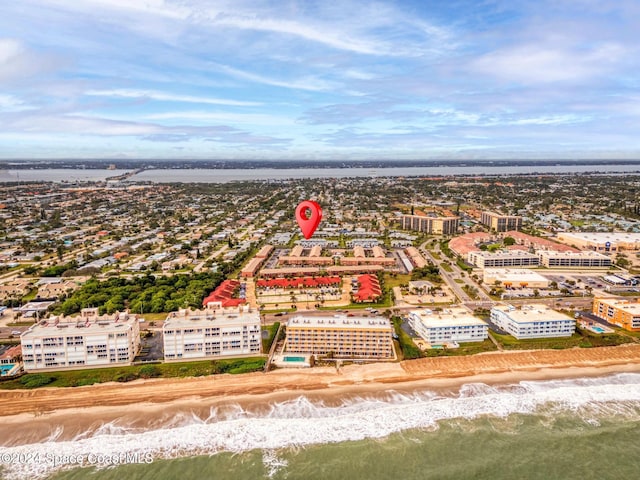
[(120, 164)]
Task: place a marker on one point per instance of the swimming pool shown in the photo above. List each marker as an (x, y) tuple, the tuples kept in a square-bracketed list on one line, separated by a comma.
[(598, 329), (294, 359), (6, 368)]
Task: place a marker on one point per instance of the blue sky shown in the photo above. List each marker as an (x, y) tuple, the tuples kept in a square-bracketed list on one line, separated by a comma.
[(286, 79)]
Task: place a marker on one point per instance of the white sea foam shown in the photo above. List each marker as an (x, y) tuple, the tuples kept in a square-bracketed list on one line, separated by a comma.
[(300, 422)]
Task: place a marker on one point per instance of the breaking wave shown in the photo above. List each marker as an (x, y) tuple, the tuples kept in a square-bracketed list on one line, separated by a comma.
[(301, 422)]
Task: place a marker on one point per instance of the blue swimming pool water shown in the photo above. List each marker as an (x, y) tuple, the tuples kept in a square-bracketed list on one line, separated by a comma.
[(4, 369), (598, 329), (294, 359)]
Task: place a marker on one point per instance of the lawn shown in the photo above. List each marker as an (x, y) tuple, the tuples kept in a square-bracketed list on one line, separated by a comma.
[(155, 317), (76, 378), (409, 349), (468, 348), (581, 338), (266, 342), (391, 281)]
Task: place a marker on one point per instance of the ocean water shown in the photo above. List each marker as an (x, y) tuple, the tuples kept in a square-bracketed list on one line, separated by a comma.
[(555, 429)]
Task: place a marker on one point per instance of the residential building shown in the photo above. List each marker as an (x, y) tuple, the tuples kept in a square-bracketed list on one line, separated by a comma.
[(88, 341), (432, 225), (503, 258), (342, 336), (620, 312), (532, 321), (586, 259), (501, 223), (213, 332), (448, 326)]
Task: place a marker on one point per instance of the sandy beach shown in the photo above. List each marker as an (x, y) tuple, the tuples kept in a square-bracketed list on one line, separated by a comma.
[(146, 402)]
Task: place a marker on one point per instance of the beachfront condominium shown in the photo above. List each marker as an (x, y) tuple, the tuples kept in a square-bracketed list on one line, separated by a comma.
[(501, 223), (450, 325), (532, 321), (431, 224), (211, 333), (366, 338), (88, 341), (620, 312)]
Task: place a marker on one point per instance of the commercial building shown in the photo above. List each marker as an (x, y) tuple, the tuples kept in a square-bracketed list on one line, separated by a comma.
[(623, 313), (447, 326), (586, 259), (602, 241), (501, 223), (503, 258), (433, 225), (87, 341), (341, 336), (514, 278), (532, 321), (211, 333)]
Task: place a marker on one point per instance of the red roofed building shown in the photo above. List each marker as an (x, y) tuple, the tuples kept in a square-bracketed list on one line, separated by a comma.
[(224, 295), (299, 282), (368, 289)]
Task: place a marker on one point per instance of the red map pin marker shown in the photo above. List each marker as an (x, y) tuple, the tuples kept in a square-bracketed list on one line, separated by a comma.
[(308, 225)]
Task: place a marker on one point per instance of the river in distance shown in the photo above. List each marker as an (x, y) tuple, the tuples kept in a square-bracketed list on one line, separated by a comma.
[(198, 175), (581, 428)]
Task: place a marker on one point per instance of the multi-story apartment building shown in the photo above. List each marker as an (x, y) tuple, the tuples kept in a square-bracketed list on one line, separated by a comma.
[(433, 225), (503, 258), (586, 259), (211, 333), (342, 336), (448, 325), (87, 341), (532, 321), (624, 313), (501, 223)]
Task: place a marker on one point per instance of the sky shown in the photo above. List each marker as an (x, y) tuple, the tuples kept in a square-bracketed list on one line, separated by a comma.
[(347, 79)]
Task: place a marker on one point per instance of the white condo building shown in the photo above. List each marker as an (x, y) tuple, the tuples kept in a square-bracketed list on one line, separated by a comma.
[(87, 341), (449, 325), (532, 321), (211, 333)]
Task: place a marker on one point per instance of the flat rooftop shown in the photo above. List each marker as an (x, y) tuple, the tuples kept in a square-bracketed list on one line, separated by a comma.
[(584, 254), (210, 317), (79, 326), (340, 322), (624, 305), (534, 312), (505, 254), (603, 237), (514, 274), (455, 317)]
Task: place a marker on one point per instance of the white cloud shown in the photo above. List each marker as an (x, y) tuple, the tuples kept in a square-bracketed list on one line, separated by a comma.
[(309, 83), (168, 97), (9, 103), (224, 117), (18, 63), (539, 63)]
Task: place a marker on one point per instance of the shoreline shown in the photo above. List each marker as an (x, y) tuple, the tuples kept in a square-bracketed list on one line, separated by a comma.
[(157, 403)]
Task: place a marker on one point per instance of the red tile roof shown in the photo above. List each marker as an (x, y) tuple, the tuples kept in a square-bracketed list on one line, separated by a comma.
[(369, 289), (224, 294)]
